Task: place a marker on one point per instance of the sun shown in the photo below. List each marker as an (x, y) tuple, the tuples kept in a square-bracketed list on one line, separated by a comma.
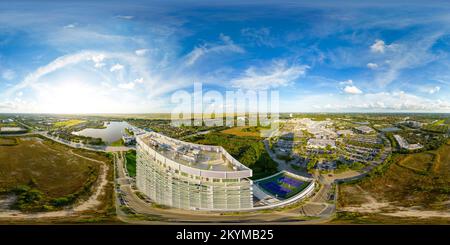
[(74, 97)]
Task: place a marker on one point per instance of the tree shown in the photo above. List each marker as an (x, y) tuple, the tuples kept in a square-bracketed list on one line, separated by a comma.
[(311, 164)]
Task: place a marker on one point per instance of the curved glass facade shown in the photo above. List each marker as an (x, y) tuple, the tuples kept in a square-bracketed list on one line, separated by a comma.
[(176, 185)]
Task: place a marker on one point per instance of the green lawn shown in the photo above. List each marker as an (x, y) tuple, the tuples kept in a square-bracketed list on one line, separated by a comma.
[(118, 143), (439, 122), (130, 157), (68, 123)]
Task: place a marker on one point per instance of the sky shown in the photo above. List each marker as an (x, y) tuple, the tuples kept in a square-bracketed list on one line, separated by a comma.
[(132, 56)]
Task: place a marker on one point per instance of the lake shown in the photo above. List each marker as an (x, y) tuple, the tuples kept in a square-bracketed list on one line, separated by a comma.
[(112, 133), (391, 129)]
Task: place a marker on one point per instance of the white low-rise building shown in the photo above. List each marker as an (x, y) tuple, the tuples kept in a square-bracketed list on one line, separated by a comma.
[(405, 145), (344, 132), (414, 124), (129, 140), (321, 143), (12, 130), (364, 129), (9, 120)]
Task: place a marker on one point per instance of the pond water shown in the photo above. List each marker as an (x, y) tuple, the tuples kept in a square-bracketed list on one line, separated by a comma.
[(392, 129), (112, 133)]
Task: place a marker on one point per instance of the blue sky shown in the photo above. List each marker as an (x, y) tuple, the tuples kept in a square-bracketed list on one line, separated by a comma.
[(108, 56)]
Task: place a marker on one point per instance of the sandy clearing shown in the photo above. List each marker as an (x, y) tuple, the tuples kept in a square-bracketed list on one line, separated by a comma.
[(371, 206), (422, 214), (374, 206)]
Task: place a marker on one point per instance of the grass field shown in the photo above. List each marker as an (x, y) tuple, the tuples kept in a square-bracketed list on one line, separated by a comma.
[(5, 141), (439, 122), (117, 143), (10, 124), (131, 162), (68, 123), (418, 181), (243, 131), (419, 162), (49, 169)]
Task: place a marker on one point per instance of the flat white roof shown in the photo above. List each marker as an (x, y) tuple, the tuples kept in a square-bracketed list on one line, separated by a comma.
[(195, 156)]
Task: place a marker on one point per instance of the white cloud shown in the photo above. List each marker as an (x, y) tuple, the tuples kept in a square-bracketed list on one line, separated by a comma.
[(125, 17), (104, 95), (277, 75), (105, 84), (70, 26), (227, 46), (378, 47), (99, 65), (375, 102), (434, 90), (350, 89), (98, 59), (406, 54), (129, 85), (141, 52), (347, 82), (139, 80), (372, 66), (56, 64), (116, 67), (8, 74)]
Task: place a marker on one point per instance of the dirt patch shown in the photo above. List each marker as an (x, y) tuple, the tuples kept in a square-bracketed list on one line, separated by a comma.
[(93, 200), (362, 202), (421, 214)]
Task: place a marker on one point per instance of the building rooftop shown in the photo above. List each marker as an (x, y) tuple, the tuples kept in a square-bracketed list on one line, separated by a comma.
[(405, 145), (203, 157), (321, 143), (11, 129), (345, 132), (365, 129)]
